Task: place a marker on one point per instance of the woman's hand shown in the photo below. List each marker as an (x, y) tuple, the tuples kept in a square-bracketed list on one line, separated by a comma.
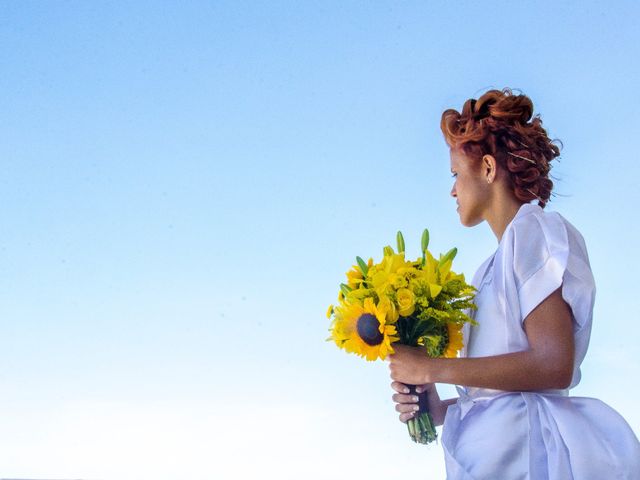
[(425, 395), (409, 365), (407, 402)]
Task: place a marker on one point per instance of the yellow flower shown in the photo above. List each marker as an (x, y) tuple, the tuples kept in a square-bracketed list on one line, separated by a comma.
[(455, 340), (386, 305), (390, 273), (399, 280), (406, 302), (381, 280), (434, 275), (358, 295), (354, 277), (339, 330), (366, 330)]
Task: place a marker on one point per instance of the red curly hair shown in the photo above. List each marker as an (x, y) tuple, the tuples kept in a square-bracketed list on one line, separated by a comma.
[(500, 124)]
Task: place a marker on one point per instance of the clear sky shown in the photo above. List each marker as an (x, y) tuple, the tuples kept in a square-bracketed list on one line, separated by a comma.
[(184, 184)]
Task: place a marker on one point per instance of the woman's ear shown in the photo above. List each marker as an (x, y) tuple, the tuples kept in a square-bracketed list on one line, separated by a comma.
[(489, 168)]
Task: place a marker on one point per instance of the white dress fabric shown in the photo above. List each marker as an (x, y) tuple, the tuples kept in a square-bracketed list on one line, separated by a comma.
[(546, 435)]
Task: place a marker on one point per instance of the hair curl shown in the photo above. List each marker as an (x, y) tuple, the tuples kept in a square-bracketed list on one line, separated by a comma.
[(500, 124)]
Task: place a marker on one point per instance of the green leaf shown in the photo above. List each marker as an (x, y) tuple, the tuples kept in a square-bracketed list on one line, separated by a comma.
[(346, 289), (363, 266)]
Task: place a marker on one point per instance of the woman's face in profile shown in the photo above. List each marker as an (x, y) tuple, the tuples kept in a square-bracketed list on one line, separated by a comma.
[(470, 188)]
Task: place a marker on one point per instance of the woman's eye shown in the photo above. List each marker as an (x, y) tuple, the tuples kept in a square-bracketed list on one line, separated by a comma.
[(454, 175)]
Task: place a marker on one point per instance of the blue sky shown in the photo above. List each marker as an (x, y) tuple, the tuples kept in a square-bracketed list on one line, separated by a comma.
[(184, 185)]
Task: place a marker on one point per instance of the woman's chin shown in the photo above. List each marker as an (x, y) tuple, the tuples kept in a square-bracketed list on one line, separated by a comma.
[(467, 221), (462, 217)]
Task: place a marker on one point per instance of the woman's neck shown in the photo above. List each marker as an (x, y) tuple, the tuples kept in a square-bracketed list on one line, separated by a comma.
[(501, 213)]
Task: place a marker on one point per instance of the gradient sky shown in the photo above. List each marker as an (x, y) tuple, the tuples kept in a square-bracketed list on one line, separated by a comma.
[(184, 185)]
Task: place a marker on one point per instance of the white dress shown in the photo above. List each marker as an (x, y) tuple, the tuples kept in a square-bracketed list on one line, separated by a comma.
[(546, 435)]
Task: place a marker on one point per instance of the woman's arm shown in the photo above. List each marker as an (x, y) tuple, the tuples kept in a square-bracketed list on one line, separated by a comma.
[(547, 364)]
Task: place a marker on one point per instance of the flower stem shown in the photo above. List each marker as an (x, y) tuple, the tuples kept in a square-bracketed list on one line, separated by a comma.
[(421, 427)]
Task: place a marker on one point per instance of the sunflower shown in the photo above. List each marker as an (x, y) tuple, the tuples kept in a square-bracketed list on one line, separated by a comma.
[(455, 343), (367, 330)]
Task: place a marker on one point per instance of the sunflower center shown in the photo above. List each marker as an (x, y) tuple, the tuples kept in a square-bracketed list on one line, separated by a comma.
[(369, 330)]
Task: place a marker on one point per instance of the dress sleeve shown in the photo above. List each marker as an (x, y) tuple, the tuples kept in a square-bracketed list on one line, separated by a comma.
[(540, 257), (548, 253)]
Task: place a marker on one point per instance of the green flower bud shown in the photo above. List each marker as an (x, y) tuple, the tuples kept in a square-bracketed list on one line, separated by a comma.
[(424, 245), (450, 255), (425, 241), (400, 240)]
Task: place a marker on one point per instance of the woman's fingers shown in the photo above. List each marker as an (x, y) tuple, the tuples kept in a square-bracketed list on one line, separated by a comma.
[(407, 402), (407, 407), (402, 388), (402, 398), (399, 387), (405, 417), (427, 387)]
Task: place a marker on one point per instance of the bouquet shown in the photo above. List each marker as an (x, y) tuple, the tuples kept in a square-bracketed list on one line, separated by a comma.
[(420, 303)]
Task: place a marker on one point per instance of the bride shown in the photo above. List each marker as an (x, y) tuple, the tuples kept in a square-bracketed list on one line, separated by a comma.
[(513, 418)]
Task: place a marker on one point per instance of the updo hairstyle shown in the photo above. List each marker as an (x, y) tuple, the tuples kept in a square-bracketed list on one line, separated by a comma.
[(499, 123)]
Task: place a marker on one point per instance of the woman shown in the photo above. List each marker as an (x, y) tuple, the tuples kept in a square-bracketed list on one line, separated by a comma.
[(513, 419)]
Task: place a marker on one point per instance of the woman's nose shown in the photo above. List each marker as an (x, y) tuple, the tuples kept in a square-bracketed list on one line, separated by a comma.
[(453, 191)]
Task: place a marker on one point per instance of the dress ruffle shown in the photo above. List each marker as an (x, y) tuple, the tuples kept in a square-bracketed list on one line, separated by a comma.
[(539, 436)]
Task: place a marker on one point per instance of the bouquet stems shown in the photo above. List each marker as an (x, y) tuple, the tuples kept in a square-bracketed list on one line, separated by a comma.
[(421, 427)]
